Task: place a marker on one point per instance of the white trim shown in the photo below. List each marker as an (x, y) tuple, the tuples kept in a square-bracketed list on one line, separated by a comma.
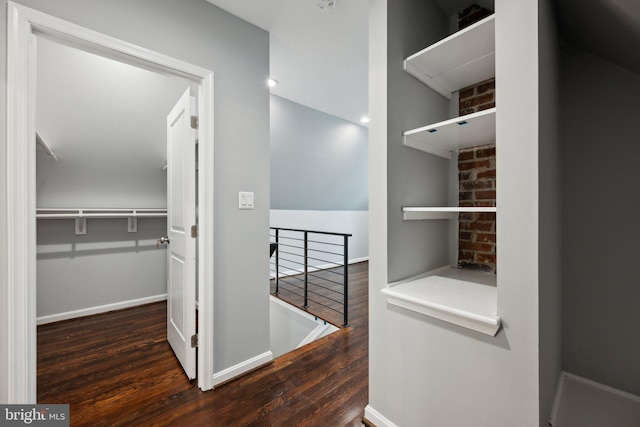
[(19, 279), (612, 390), (20, 224), (556, 399), (43, 320), (241, 368), (463, 297), (377, 418), (318, 332), (564, 376), (206, 282)]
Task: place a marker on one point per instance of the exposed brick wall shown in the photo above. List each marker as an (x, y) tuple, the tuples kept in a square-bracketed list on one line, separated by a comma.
[(477, 187), (471, 15), (478, 97)]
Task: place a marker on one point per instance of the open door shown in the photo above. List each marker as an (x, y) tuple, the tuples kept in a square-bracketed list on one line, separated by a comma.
[(181, 250)]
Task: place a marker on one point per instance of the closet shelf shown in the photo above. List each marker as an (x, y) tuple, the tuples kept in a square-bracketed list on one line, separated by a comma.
[(462, 297), (58, 213), (443, 138), (460, 60), (81, 215), (419, 213), (46, 147)]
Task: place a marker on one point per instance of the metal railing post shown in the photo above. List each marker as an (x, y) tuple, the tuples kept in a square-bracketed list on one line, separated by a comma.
[(346, 281), (277, 263), (325, 294), (306, 269)]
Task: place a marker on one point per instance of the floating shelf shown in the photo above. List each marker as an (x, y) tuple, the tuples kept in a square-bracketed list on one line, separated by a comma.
[(443, 138), (460, 60), (81, 215), (462, 297), (418, 213)]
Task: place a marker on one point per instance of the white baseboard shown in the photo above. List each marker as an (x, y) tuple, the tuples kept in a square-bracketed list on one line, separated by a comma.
[(580, 402), (99, 309), (241, 368), (377, 418)]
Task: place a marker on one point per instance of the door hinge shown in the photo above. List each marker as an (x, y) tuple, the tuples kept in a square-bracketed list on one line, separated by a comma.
[(194, 231), (194, 341), (194, 122)]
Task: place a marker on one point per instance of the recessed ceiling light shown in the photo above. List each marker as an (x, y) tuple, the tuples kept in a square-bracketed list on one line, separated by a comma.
[(326, 4), (365, 119), (272, 82)]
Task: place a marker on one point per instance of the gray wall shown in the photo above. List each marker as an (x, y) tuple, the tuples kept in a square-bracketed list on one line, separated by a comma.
[(601, 154), (550, 217), (318, 161), (199, 33), (415, 178), (105, 266)]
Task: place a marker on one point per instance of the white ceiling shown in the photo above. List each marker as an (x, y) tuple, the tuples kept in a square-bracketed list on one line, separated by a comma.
[(319, 57)]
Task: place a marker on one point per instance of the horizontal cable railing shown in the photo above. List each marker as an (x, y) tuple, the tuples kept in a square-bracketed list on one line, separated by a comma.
[(311, 267)]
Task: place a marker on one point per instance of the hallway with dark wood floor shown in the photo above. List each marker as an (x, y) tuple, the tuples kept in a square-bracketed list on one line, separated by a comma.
[(116, 369)]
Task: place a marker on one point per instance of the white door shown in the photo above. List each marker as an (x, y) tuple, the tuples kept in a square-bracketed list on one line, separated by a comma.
[(181, 216)]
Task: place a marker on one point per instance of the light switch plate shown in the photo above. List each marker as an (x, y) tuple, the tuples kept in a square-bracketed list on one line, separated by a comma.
[(245, 200)]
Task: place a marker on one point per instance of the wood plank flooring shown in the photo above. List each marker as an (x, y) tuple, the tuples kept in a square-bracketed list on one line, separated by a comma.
[(116, 369)]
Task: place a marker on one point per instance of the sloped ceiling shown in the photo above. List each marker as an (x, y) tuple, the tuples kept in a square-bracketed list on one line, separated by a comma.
[(609, 29), (319, 57), (106, 122)]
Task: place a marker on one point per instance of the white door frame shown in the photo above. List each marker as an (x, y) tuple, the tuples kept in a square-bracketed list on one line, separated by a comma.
[(19, 280)]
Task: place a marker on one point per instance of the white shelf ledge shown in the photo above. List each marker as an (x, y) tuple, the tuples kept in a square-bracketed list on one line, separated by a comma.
[(46, 147), (81, 215), (462, 297), (443, 138), (460, 60), (419, 213)]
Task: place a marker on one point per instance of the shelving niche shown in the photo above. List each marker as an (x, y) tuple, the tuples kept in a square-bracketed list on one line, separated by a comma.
[(463, 297)]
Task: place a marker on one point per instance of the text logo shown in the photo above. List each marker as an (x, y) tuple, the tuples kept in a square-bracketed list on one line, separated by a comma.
[(34, 415)]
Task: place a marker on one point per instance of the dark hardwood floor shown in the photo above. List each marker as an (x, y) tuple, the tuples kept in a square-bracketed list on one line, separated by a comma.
[(116, 369), (325, 292)]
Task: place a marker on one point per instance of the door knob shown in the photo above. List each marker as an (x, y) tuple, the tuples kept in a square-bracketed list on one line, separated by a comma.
[(162, 241)]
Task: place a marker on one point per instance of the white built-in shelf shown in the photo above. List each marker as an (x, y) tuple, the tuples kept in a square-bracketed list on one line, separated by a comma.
[(463, 297), (418, 213), (444, 138), (460, 60), (81, 215)]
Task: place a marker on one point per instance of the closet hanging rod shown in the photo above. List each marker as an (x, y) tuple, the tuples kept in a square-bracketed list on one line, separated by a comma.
[(60, 213), (46, 147)]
